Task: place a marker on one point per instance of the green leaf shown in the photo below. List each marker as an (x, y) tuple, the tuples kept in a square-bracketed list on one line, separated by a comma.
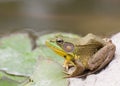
[(48, 73), (19, 42), (16, 55), (17, 79), (8, 83)]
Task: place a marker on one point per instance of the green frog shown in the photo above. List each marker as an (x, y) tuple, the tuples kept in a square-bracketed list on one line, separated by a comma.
[(84, 55)]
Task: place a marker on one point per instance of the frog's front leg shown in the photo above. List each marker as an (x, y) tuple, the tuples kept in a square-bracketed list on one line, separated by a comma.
[(67, 64), (102, 57)]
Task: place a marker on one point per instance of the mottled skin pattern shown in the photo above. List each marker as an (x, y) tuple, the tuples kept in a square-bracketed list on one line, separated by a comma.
[(84, 55)]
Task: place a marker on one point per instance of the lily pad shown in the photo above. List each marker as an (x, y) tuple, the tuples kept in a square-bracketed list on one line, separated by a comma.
[(12, 77), (8, 83), (48, 73), (20, 42), (16, 55)]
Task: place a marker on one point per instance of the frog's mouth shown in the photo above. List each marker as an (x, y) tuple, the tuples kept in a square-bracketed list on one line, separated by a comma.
[(56, 48)]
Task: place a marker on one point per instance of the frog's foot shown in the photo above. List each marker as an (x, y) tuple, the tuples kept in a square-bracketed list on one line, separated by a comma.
[(73, 69), (68, 73), (65, 72), (68, 64), (107, 40)]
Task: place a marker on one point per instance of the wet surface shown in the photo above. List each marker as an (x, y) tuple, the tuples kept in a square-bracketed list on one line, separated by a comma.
[(98, 17)]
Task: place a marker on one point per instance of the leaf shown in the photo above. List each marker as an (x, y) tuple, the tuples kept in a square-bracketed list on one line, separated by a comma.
[(19, 42), (17, 79), (16, 55), (8, 83), (48, 73)]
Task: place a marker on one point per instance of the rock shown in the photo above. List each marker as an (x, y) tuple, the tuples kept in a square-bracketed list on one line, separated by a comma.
[(110, 76)]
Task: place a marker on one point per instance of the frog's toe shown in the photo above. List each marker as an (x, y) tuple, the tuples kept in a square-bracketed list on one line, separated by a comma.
[(66, 66), (65, 72), (107, 40)]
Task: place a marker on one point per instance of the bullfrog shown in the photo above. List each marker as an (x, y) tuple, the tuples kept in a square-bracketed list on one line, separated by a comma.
[(83, 55)]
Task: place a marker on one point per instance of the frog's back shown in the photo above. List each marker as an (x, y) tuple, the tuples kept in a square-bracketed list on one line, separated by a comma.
[(85, 52)]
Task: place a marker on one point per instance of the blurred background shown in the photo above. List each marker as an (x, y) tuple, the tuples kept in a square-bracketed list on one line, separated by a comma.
[(100, 17)]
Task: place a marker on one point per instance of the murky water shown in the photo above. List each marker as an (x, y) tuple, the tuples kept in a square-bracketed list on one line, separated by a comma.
[(76, 16)]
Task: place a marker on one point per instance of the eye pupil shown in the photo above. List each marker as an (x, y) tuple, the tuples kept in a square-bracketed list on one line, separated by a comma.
[(59, 40)]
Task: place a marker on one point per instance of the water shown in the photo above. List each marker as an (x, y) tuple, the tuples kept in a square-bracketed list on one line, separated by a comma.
[(75, 16)]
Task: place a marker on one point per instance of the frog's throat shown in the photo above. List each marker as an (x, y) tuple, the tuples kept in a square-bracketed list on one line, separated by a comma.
[(58, 50)]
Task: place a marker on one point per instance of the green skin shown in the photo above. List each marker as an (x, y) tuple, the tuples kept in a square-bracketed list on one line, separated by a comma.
[(87, 53)]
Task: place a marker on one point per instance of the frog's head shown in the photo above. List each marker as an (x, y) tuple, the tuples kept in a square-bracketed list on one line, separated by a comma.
[(63, 46)]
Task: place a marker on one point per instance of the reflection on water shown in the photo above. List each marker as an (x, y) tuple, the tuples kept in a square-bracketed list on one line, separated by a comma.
[(77, 16)]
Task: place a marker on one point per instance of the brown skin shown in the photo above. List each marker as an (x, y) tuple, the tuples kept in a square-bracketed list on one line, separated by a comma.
[(83, 56)]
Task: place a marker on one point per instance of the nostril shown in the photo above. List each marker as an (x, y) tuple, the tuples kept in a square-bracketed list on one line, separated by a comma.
[(64, 56)]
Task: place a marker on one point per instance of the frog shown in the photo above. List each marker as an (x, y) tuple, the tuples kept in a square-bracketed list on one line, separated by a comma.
[(83, 55)]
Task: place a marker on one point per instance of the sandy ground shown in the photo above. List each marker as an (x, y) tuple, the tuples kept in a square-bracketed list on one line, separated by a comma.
[(110, 76)]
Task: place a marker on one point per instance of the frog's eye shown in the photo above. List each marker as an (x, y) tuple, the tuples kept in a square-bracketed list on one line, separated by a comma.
[(59, 40), (68, 47)]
